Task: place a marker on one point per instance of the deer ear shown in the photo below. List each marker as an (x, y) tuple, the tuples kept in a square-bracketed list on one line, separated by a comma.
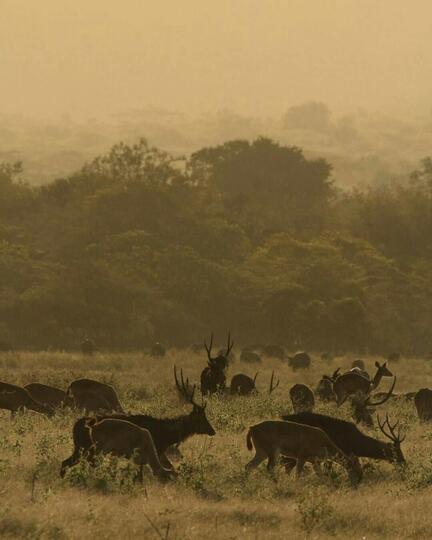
[(377, 364)]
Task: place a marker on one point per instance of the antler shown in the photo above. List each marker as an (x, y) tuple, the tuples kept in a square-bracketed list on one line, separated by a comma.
[(208, 349), (230, 344), (273, 387), (386, 397), (396, 438), (184, 388), (335, 374), (256, 375)]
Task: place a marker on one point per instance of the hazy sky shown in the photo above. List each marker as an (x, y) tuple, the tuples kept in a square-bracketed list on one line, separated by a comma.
[(92, 57)]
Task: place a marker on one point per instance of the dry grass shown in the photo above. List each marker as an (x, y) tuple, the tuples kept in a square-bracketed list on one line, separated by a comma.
[(212, 495)]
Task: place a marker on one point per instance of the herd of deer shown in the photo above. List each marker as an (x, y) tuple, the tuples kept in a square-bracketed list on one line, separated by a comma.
[(297, 438)]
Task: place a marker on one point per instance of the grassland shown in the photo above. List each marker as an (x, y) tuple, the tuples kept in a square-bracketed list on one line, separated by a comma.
[(212, 496)]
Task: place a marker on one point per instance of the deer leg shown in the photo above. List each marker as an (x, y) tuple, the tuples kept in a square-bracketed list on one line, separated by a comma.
[(255, 461), (272, 460), (70, 462), (165, 462), (289, 464), (316, 465), (300, 465)]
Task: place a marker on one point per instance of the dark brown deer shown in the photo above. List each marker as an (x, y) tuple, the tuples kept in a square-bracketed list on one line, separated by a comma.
[(166, 432), (242, 384), (301, 360), (124, 439), (94, 396), (14, 398), (49, 395), (302, 398), (213, 378), (351, 440), (423, 404), (350, 383), (363, 406), (299, 443)]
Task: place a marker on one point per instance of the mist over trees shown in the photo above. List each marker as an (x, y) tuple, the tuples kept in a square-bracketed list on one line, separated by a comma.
[(140, 245)]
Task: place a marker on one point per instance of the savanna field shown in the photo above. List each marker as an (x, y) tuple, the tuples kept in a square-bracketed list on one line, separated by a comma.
[(212, 495)]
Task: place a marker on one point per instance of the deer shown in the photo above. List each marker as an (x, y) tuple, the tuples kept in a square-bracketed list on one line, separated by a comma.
[(94, 396), (14, 398), (242, 384), (299, 443), (349, 383), (125, 439), (166, 432), (301, 360), (213, 377), (302, 398), (352, 441), (423, 404), (49, 395), (362, 406)]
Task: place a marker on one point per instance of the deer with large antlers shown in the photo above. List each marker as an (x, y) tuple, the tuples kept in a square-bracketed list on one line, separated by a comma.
[(166, 432), (351, 440), (299, 443), (351, 382), (213, 378), (363, 406)]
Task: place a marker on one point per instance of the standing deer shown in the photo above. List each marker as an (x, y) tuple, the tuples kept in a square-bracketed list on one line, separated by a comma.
[(124, 439), (166, 432), (94, 396), (14, 398), (350, 383), (213, 377), (300, 444)]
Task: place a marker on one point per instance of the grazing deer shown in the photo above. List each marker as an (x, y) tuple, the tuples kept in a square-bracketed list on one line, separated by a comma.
[(124, 439), (242, 384), (93, 395), (324, 389), (351, 440), (213, 377), (250, 357), (301, 360), (302, 398), (363, 407), (49, 395), (423, 404), (274, 351), (358, 364), (14, 398), (297, 442), (350, 383), (166, 432)]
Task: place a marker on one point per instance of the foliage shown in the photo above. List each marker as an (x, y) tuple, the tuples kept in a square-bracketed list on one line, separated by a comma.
[(248, 235)]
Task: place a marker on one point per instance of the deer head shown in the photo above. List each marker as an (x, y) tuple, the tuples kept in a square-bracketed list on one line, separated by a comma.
[(197, 416), (221, 361), (393, 449)]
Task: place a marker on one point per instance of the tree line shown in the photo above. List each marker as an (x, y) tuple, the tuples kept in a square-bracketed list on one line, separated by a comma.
[(139, 245)]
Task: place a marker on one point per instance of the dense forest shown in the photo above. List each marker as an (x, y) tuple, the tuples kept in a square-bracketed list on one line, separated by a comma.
[(139, 246)]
